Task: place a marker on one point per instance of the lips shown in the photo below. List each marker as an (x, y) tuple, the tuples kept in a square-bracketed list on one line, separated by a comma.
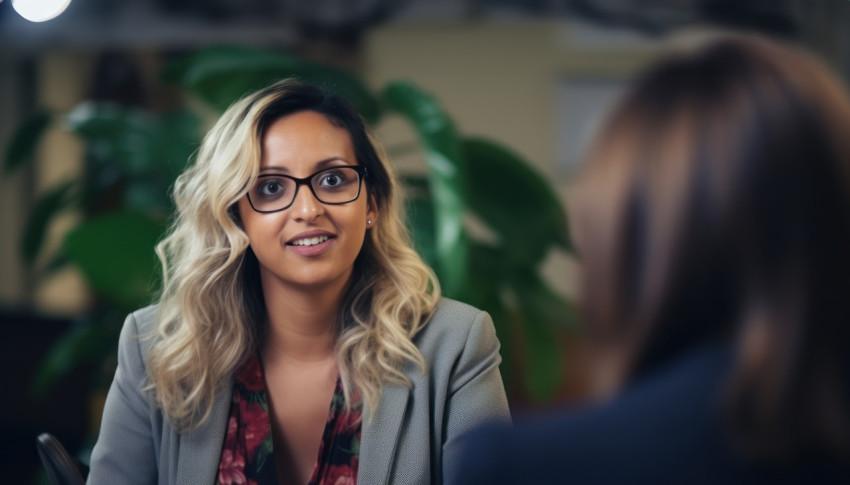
[(311, 238), (311, 243)]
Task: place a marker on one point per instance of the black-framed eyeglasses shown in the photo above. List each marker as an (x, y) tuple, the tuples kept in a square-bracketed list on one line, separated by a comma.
[(333, 186)]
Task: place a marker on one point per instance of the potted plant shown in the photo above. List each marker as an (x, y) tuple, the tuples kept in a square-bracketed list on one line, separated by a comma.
[(132, 157)]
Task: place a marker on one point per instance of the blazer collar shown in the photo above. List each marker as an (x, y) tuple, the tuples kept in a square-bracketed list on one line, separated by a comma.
[(380, 434), (200, 450)]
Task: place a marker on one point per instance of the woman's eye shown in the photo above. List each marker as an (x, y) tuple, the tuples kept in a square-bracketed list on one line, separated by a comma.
[(270, 188), (332, 179)]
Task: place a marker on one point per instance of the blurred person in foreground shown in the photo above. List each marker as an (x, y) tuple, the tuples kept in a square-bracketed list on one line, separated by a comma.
[(298, 338), (713, 222)]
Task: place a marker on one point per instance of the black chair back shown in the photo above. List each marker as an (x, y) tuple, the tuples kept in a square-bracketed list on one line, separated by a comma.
[(62, 468)]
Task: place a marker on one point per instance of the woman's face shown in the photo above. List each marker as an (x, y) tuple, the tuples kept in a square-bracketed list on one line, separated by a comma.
[(309, 244)]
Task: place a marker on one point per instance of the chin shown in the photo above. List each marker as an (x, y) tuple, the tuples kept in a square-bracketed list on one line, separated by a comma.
[(317, 280), (317, 277)]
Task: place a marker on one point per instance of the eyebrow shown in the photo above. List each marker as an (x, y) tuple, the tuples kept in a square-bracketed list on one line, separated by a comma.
[(320, 165)]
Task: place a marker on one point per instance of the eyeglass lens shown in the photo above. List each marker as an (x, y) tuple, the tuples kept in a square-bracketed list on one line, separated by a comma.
[(336, 185)]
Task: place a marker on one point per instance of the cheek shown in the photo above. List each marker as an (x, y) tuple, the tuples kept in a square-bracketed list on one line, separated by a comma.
[(241, 212), (357, 219), (255, 225), (245, 216)]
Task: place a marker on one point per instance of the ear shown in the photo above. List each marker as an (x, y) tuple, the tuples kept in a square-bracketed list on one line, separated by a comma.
[(371, 212), (235, 216)]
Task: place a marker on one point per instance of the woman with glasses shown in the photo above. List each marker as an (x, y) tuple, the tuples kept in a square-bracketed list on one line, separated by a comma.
[(298, 338), (713, 222)]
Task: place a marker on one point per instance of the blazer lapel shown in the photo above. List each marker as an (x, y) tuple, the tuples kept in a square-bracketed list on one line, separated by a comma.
[(200, 450), (380, 434)]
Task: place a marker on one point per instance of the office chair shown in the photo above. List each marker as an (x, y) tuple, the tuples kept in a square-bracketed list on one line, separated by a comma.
[(62, 468)]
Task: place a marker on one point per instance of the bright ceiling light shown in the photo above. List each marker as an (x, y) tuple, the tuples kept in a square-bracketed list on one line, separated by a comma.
[(39, 10)]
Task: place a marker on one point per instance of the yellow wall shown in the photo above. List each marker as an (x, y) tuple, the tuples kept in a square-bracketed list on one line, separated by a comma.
[(497, 79), (63, 81), (500, 80), (13, 194)]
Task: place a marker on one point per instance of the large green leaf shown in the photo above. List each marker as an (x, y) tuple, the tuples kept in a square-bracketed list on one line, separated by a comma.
[(544, 315), (148, 195), (137, 141), (528, 316), (116, 136), (447, 178), (543, 357), (87, 341), (533, 291), (46, 208), (115, 252), (178, 137), (486, 291), (132, 156), (56, 263), (25, 140), (420, 219), (220, 75), (515, 201)]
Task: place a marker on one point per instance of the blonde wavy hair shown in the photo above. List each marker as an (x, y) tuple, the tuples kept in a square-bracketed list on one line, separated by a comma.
[(211, 313)]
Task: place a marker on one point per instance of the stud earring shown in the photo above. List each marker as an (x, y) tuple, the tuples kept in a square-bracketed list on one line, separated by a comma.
[(368, 222)]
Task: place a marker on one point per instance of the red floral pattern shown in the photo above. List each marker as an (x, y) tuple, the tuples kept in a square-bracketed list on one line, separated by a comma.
[(340, 475), (231, 469), (256, 426), (251, 377), (247, 457)]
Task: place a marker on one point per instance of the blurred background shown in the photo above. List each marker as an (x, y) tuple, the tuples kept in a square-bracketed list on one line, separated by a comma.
[(484, 105)]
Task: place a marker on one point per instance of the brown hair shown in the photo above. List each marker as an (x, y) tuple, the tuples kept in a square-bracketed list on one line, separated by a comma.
[(715, 205)]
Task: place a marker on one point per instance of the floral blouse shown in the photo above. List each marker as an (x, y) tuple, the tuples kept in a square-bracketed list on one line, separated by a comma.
[(247, 457)]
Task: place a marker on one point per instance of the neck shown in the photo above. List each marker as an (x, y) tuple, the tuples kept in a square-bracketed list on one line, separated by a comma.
[(301, 321)]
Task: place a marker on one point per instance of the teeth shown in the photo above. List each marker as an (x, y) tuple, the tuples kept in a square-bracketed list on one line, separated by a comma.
[(309, 241)]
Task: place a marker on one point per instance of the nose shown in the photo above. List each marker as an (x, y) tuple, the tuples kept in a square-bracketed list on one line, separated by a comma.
[(306, 206)]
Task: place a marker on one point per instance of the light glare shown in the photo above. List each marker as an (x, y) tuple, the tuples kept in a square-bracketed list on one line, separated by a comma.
[(39, 10)]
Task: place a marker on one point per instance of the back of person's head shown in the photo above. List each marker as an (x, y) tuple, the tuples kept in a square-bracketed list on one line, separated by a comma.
[(715, 206)]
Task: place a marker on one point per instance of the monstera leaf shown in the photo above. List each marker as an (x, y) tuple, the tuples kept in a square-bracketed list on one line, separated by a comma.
[(515, 201), (220, 75), (25, 140), (446, 179), (115, 252), (133, 156)]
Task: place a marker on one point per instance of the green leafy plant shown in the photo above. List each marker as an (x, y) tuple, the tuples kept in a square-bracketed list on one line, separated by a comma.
[(133, 156)]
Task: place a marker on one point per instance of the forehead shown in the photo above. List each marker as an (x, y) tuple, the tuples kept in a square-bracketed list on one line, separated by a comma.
[(304, 140)]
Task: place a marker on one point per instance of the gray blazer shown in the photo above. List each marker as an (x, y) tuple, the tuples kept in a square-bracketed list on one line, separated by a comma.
[(413, 437)]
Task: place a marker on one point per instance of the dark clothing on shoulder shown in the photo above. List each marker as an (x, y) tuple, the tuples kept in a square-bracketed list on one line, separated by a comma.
[(666, 428)]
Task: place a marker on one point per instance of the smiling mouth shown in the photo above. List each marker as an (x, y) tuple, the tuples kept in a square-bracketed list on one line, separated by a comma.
[(309, 241)]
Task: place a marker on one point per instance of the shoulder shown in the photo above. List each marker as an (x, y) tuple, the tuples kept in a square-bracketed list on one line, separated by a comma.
[(457, 332), (676, 402), (138, 331), (665, 425), (453, 321), (145, 318)]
